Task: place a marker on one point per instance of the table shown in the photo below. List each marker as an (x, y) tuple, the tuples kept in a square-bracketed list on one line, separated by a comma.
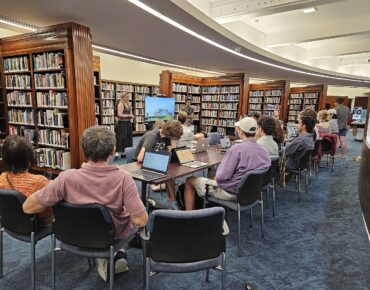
[(176, 170)]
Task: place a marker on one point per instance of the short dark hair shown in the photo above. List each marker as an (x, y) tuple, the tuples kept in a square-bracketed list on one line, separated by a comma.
[(17, 153), (182, 117), (309, 113), (339, 100), (267, 124), (256, 115), (97, 143), (172, 129), (309, 123)]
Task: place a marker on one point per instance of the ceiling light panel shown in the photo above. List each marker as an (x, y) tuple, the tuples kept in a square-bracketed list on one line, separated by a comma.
[(309, 10)]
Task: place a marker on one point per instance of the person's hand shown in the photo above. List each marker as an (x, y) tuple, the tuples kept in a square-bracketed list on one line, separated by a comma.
[(132, 116)]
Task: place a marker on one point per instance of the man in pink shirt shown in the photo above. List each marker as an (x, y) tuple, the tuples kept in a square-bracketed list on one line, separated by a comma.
[(97, 182)]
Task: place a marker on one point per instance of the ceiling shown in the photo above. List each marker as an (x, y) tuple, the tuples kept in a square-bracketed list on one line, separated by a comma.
[(121, 25)]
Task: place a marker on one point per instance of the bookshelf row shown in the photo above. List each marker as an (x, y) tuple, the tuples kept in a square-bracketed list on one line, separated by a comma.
[(299, 101)]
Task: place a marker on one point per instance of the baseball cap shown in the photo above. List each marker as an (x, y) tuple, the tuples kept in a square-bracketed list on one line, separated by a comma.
[(332, 111), (247, 124)]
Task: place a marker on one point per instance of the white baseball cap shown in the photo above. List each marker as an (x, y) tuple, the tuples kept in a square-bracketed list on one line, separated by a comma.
[(332, 111), (247, 124)]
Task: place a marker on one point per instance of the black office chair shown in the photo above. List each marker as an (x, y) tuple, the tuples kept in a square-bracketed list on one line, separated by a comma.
[(248, 196), (86, 230), (19, 225), (328, 150), (185, 241), (303, 167), (269, 182)]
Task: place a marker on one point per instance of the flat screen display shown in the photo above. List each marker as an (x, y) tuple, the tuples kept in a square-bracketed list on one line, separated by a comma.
[(159, 108)]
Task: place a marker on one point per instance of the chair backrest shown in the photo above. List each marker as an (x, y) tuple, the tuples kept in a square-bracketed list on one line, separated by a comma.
[(326, 145), (304, 161), (85, 226), (250, 186), (130, 153), (186, 236), (316, 148), (12, 216), (269, 175), (214, 138)]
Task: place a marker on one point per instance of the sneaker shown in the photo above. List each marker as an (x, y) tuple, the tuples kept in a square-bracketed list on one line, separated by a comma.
[(120, 262), (103, 268), (173, 204)]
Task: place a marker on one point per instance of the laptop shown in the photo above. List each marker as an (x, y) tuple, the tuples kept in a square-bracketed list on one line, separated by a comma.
[(201, 146), (155, 166), (186, 158), (225, 143), (173, 153)]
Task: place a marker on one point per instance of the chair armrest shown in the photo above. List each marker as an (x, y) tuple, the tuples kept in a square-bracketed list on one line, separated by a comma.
[(225, 228), (143, 234)]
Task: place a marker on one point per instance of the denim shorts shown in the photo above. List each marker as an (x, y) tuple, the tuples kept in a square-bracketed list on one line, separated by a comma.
[(343, 132)]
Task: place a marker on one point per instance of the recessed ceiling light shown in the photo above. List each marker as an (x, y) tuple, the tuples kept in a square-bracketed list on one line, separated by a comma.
[(309, 10)]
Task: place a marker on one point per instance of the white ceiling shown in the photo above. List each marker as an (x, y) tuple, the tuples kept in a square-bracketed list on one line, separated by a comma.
[(337, 33), (121, 25)]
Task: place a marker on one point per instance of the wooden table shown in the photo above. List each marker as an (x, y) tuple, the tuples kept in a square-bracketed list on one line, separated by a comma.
[(176, 170)]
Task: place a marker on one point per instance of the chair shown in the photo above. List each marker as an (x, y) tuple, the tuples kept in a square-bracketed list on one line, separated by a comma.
[(19, 225), (248, 196), (303, 167), (185, 241), (130, 153), (269, 182), (214, 138), (85, 230), (327, 149), (314, 157)]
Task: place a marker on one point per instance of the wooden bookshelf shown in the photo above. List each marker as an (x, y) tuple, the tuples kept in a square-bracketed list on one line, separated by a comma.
[(300, 98), (112, 92), (265, 98), (2, 104), (97, 90), (47, 84), (216, 100)]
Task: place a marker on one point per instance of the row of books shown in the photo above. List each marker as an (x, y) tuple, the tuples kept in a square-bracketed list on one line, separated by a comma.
[(140, 97), (19, 63), (52, 80), (230, 89), (312, 95), (265, 93), (52, 118), (119, 94), (18, 81), (142, 89), (139, 112), (107, 111), (209, 114), (255, 106), (107, 86), (48, 60), (207, 121), (124, 87), (310, 101), (48, 157), (52, 137), (211, 89), (274, 100), (139, 105), (229, 97), (294, 112), (296, 96), (21, 116), (255, 100), (270, 107), (106, 120), (97, 111), (107, 95), (140, 127), (229, 106), (295, 101), (29, 134), (139, 119), (17, 98), (108, 103), (210, 98), (52, 99), (213, 106), (226, 123), (295, 107), (179, 87), (228, 114), (194, 89)]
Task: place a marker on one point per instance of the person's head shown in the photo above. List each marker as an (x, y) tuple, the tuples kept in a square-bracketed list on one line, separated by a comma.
[(158, 124), (276, 113), (322, 116), (188, 102), (125, 98), (98, 143), (242, 116), (332, 114), (246, 128), (256, 115), (308, 113), (266, 126), (17, 153), (339, 100), (182, 117), (306, 124), (172, 129)]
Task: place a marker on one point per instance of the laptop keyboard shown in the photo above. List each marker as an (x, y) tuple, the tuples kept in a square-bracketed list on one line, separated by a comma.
[(148, 174)]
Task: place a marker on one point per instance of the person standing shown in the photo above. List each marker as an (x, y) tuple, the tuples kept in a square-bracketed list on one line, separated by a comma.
[(124, 125), (187, 135), (189, 110), (342, 119)]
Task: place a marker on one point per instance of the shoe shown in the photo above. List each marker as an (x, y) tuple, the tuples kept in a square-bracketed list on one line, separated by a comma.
[(173, 204), (120, 262), (103, 268), (158, 187)]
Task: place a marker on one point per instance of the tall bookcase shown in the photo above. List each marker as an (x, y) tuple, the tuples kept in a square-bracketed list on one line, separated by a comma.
[(217, 101), (300, 98), (47, 84), (111, 92), (97, 90), (265, 98)]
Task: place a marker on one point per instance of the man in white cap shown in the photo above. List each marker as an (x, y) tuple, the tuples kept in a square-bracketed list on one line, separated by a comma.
[(238, 160)]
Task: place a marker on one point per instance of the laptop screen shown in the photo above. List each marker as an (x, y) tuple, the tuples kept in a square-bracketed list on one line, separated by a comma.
[(185, 155), (156, 161)]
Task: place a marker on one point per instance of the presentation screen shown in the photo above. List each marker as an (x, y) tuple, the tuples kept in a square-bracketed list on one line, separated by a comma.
[(159, 108)]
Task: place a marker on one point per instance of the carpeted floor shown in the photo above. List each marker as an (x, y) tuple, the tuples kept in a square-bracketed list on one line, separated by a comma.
[(319, 243)]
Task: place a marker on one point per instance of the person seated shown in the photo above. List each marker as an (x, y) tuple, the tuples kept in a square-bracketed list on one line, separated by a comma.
[(160, 140), (158, 124), (255, 115), (18, 157), (238, 160), (279, 134), (264, 135), (187, 135), (299, 145), (333, 121), (323, 127), (310, 113), (97, 182), (200, 135)]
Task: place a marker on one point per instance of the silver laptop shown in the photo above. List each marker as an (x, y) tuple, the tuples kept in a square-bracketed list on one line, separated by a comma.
[(186, 158), (201, 146), (225, 142), (155, 166)]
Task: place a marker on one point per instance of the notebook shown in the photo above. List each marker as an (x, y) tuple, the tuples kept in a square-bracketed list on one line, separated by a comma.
[(201, 146), (155, 166), (186, 158)]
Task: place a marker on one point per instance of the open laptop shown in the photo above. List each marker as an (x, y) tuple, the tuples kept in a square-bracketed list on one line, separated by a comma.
[(225, 143), (201, 146), (173, 153), (186, 158), (155, 166)]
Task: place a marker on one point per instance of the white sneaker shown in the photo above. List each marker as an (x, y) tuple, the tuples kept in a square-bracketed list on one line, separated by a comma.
[(120, 265), (103, 268)]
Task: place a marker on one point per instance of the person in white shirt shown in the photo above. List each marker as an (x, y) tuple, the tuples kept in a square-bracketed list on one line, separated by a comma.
[(187, 135), (264, 135)]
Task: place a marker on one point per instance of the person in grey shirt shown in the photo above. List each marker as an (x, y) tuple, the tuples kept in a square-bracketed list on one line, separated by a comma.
[(264, 135), (342, 119), (189, 110), (187, 135)]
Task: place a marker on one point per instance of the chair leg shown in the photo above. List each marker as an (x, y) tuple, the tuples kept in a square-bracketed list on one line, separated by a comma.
[(33, 282), (1, 251), (273, 198), (306, 181), (144, 263), (52, 261), (147, 273), (316, 168), (207, 275), (299, 185), (223, 278), (262, 220), (267, 196), (111, 268), (239, 247)]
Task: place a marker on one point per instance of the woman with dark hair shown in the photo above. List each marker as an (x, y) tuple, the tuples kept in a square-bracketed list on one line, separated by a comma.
[(265, 131), (18, 156)]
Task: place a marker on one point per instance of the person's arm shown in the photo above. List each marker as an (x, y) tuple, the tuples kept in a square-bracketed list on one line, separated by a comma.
[(140, 156), (33, 205), (148, 143), (227, 167), (140, 220), (120, 112), (292, 147)]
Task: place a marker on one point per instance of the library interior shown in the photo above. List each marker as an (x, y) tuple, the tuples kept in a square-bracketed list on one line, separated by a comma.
[(190, 144)]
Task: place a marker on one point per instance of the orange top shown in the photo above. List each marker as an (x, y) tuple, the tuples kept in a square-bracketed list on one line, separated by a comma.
[(25, 183)]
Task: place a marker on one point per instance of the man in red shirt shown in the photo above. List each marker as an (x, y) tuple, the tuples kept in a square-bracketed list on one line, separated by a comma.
[(86, 185)]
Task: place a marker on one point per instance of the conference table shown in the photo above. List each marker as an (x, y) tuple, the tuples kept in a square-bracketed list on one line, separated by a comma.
[(176, 170)]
